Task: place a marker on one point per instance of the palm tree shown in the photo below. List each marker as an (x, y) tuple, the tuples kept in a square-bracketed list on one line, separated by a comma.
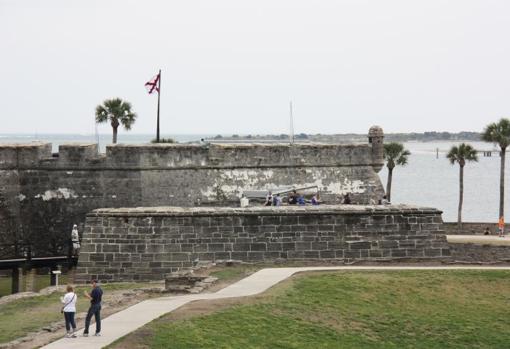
[(394, 154), (117, 112), (499, 133), (461, 154)]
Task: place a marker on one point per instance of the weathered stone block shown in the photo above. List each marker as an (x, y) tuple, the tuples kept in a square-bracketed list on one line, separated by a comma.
[(109, 248), (216, 247), (358, 245), (398, 253), (352, 254), (258, 247)]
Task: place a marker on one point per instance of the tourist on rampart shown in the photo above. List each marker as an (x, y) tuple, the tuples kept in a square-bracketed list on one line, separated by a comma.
[(95, 297), (384, 200), (301, 200), (315, 200), (347, 199), (293, 198), (245, 202), (69, 310), (269, 199), (487, 231), (277, 200), (75, 240)]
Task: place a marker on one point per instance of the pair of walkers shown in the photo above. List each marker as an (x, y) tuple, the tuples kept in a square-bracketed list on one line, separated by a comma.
[(69, 309)]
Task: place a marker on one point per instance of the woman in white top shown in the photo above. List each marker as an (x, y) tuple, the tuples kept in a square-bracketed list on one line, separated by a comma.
[(69, 309)]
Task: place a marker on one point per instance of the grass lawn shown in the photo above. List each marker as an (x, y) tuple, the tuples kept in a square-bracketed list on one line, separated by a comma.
[(397, 309), (40, 282), (30, 314), (233, 273)]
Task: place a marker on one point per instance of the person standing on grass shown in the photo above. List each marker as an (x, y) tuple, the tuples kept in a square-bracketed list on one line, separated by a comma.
[(69, 310), (95, 297)]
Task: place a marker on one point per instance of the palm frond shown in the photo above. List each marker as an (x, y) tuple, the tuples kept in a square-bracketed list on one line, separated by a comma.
[(498, 133), (116, 109), (101, 114), (395, 153), (461, 154)]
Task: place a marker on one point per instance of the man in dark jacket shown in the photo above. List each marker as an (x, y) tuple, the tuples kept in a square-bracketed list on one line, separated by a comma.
[(95, 297)]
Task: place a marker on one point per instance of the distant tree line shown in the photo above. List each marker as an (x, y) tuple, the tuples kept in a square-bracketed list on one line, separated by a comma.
[(434, 136), (347, 137), (281, 136)]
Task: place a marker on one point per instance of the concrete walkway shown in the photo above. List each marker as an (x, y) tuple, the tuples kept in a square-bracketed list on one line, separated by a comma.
[(479, 239), (128, 320)]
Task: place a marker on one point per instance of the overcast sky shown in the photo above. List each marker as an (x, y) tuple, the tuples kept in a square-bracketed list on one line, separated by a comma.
[(231, 66)]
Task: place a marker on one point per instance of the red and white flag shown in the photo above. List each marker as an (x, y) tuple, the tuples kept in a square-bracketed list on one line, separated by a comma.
[(153, 84)]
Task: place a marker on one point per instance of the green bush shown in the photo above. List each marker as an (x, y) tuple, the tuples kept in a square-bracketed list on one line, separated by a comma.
[(164, 140)]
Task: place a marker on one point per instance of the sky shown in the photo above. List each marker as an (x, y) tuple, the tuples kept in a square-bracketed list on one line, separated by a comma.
[(232, 66)]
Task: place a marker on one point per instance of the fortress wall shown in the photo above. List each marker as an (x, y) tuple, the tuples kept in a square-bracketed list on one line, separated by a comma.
[(237, 155), (47, 193), (9, 206), (13, 157), (147, 243), (479, 253), (474, 228)]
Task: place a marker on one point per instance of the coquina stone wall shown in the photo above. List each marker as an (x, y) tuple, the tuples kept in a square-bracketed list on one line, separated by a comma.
[(146, 243), (43, 194), (480, 253), (473, 228)]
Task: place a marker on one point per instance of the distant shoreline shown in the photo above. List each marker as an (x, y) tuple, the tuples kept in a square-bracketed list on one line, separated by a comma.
[(431, 136)]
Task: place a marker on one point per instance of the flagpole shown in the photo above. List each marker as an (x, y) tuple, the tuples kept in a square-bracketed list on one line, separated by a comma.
[(159, 94)]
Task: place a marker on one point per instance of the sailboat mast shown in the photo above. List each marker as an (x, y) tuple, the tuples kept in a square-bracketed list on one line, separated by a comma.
[(291, 136)]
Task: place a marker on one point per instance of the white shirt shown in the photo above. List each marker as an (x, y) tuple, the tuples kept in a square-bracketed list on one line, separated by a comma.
[(70, 301), (75, 236), (245, 201)]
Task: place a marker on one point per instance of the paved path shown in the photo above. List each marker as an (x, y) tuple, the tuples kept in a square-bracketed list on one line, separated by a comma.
[(479, 239), (128, 320)]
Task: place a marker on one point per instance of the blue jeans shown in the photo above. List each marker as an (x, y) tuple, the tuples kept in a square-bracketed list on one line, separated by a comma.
[(95, 309), (69, 317)]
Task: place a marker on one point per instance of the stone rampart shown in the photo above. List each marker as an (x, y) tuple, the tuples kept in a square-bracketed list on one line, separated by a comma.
[(43, 194), (146, 243), (473, 228), (479, 253)]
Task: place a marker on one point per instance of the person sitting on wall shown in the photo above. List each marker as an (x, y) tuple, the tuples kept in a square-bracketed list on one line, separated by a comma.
[(384, 200), (315, 199), (293, 198), (277, 200), (301, 200), (487, 231), (347, 199), (269, 199), (244, 202)]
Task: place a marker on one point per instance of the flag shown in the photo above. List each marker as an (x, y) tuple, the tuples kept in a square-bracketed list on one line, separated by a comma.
[(152, 85)]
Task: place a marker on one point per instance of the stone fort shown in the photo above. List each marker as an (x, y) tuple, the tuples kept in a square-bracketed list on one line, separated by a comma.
[(42, 194)]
